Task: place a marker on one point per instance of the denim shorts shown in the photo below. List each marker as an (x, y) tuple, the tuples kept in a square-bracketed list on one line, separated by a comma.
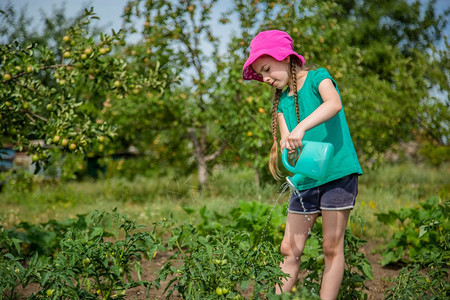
[(339, 194)]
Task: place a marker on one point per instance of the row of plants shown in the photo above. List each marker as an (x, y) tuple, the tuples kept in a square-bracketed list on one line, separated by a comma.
[(231, 255), (75, 259), (420, 243), (99, 256)]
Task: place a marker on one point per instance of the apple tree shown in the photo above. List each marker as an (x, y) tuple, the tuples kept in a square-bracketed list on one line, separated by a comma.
[(59, 96), (192, 116)]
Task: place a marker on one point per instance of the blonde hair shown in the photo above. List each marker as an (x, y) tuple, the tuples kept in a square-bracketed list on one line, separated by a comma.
[(273, 162)]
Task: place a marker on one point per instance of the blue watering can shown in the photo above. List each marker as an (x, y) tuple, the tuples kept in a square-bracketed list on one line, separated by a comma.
[(313, 162)]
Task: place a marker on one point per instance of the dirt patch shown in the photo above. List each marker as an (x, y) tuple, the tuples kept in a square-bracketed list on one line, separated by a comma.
[(381, 275), (149, 273)]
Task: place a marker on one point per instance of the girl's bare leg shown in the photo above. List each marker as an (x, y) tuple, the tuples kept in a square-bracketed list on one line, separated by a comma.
[(333, 226), (298, 227)]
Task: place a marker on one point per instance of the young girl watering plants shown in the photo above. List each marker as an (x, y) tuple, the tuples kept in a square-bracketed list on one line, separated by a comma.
[(309, 109)]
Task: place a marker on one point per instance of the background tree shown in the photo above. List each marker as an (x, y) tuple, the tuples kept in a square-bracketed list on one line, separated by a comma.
[(58, 95), (178, 100), (392, 78), (178, 34)]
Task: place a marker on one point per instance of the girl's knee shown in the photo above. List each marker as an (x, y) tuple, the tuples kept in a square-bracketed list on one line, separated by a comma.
[(287, 249), (332, 249)]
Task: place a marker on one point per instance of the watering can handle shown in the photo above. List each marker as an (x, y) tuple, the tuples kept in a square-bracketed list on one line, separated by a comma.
[(284, 158)]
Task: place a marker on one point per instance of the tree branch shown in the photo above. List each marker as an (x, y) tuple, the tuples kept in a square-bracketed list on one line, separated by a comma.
[(36, 115), (41, 68), (194, 140), (217, 153)]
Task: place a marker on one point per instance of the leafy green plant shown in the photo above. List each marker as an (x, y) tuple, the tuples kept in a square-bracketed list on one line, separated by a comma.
[(11, 271), (418, 231), (298, 293), (19, 180), (88, 265), (13, 274), (427, 277), (91, 260), (357, 269), (254, 220), (225, 265), (265, 222), (44, 238), (411, 283)]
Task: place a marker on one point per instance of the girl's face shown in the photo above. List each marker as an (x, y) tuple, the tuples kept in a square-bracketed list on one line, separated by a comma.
[(274, 72)]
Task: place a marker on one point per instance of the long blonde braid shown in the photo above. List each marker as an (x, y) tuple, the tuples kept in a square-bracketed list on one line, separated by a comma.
[(294, 61), (273, 163)]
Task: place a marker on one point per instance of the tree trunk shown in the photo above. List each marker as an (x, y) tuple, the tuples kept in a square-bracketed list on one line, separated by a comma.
[(202, 173), (257, 180), (199, 144)]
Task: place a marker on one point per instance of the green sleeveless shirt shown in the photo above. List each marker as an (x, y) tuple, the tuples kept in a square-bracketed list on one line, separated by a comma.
[(334, 131)]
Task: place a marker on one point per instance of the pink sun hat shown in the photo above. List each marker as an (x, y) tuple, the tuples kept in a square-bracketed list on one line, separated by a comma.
[(275, 43)]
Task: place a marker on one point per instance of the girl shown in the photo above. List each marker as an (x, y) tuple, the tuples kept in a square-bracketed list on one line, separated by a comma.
[(309, 108)]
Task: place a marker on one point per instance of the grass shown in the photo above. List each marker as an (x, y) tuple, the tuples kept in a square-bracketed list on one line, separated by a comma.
[(150, 199)]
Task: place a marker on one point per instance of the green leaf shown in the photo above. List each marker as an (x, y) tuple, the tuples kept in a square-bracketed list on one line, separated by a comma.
[(244, 283), (16, 243), (387, 218), (187, 209), (97, 232), (367, 269), (388, 258)]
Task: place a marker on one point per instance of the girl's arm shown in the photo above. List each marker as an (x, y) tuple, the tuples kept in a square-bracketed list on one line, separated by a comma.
[(328, 109), (283, 130)]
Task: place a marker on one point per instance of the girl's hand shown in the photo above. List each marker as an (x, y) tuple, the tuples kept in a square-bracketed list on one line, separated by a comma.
[(294, 139), (283, 146)]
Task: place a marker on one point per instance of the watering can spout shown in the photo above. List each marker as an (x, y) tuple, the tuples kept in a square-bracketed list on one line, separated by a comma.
[(293, 181), (313, 162)]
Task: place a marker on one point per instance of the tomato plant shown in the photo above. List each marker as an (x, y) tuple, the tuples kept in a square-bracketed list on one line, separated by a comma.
[(264, 221), (84, 265), (223, 264)]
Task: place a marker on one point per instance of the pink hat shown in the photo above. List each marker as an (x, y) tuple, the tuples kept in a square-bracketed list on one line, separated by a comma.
[(275, 43)]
